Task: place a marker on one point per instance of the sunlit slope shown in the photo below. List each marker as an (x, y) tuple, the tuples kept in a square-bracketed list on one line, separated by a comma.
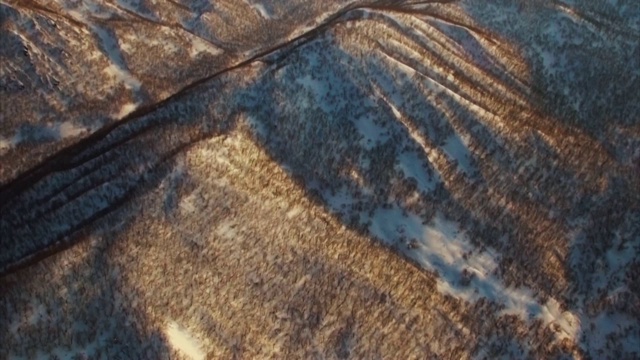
[(71, 68), (418, 180)]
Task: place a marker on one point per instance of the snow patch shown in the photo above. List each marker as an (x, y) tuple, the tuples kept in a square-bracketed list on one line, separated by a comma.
[(188, 204), (319, 90), (463, 271), (295, 211), (122, 76), (412, 167), (68, 129), (227, 230), (565, 323), (199, 46), (126, 109), (371, 132), (184, 341), (110, 47), (438, 246), (40, 134), (5, 144), (260, 8), (456, 148)]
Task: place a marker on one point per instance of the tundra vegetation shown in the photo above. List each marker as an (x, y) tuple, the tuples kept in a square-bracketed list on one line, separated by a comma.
[(319, 179)]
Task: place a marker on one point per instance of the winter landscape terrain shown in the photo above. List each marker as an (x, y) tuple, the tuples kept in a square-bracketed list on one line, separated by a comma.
[(319, 179)]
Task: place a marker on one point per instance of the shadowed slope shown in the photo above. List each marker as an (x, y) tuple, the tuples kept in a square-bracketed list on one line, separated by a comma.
[(260, 190)]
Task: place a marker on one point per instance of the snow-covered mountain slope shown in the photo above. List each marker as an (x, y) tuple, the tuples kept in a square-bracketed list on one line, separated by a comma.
[(70, 68), (345, 179)]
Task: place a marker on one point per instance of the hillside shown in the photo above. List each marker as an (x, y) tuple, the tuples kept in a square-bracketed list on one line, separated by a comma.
[(330, 179)]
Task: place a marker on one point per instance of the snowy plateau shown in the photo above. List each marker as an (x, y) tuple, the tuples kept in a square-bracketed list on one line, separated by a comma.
[(338, 179)]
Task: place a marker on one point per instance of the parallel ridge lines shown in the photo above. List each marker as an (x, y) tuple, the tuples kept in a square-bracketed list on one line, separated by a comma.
[(40, 198)]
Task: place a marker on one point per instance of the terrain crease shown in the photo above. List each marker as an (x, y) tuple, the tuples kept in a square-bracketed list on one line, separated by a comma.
[(99, 143)]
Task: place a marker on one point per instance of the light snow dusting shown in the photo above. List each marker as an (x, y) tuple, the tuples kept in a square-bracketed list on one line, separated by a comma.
[(372, 133), (5, 145), (69, 129), (184, 342), (39, 134), (412, 167), (126, 109), (110, 46), (294, 211), (261, 8), (457, 150), (122, 76), (199, 46)]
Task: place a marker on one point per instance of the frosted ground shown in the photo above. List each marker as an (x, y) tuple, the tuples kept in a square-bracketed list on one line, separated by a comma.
[(350, 179)]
